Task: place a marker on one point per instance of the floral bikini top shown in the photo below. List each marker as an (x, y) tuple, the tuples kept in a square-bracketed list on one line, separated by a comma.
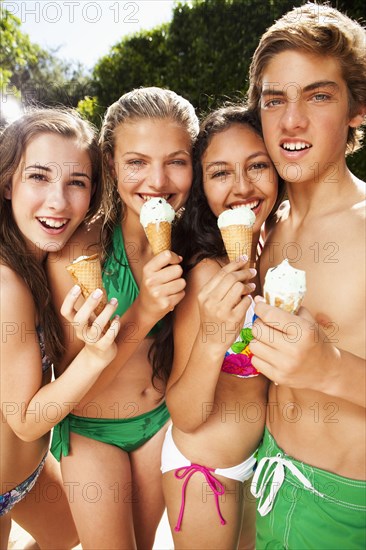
[(46, 362), (238, 358)]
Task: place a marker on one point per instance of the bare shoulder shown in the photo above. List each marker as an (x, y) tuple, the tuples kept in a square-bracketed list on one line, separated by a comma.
[(359, 206), (16, 300), (353, 216), (187, 317), (273, 236), (186, 312), (202, 273)]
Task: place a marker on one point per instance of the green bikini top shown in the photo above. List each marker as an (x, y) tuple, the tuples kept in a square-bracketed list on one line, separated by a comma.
[(118, 279)]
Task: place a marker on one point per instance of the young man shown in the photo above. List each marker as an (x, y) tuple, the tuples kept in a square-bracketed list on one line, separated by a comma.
[(308, 82)]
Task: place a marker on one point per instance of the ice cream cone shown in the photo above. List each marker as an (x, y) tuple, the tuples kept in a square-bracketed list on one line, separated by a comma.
[(159, 235), (156, 217), (236, 227), (237, 240), (290, 303), (285, 287), (87, 273)]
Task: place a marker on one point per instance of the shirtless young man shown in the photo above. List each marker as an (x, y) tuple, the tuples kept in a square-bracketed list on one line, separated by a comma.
[(308, 81)]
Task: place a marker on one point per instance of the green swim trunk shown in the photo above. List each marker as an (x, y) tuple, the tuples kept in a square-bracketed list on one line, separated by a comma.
[(126, 433), (304, 508)]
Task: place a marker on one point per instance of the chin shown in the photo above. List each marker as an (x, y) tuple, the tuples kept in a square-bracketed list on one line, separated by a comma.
[(53, 246)]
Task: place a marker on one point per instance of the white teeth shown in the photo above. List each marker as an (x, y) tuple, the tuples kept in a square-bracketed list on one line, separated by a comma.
[(298, 146), (56, 224), (250, 205)]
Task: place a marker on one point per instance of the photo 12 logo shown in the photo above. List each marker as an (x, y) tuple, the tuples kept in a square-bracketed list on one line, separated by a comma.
[(70, 12)]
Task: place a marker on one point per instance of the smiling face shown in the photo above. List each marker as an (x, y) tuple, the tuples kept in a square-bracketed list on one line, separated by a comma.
[(305, 115), (237, 171), (50, 191), (152, 158)]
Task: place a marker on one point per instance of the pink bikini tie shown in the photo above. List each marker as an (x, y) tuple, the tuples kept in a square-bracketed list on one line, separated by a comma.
[(217, 488)]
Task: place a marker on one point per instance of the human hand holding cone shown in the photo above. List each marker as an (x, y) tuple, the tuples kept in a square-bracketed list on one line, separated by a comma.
[(87, 273), (285, 287), (236, 228), (156, 217)]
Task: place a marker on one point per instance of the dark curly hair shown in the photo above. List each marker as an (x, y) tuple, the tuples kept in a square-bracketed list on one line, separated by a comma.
[(195, 234)]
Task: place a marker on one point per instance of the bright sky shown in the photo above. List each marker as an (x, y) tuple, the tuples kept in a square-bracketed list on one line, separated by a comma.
[(86, 30)]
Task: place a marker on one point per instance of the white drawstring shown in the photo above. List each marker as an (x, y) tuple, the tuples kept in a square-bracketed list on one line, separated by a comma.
[(276, 478)]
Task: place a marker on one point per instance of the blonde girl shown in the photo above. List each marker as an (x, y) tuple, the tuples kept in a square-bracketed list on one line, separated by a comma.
[(110, 445)]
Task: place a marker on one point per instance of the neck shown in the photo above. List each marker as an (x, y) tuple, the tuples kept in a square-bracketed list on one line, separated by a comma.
[(320, 196), (133, 231)]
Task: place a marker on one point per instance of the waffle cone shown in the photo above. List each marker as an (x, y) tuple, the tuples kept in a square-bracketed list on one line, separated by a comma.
[(159, 236), (237, 240), (87, 273), (290, 302)]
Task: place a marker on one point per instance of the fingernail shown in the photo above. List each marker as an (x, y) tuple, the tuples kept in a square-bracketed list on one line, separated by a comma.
[(113, 301), (75, 291), (253, 271), (251, 286), (97, 293)]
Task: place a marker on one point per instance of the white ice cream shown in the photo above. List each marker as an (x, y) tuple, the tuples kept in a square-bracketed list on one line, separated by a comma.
[(156, 210), (285, 279), (237, 216), (79, 259)]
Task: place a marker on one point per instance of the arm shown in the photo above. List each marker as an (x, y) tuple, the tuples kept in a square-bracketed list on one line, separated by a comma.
[(30, 407), (207, 322), (161, 289), (295, 351), (60, 284)]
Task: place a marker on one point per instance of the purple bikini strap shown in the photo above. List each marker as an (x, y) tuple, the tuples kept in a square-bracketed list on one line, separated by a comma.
[(217, 488)]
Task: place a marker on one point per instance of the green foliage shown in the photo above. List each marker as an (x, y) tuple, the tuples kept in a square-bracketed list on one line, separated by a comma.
[(215, 40), (33, 74), (203, 54), (89, 109), (16, 50), (138, 60), (52, 81)]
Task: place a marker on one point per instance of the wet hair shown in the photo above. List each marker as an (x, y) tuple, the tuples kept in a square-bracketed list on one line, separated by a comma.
[(14, 251), (318, 30), (197, 236), (142, 103), (150, 103)]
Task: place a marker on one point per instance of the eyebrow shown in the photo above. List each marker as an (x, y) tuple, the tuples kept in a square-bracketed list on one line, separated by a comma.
[(224, 162), (38, 167), (46, 169), (309, 88), (179, 152), (80, 175)]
